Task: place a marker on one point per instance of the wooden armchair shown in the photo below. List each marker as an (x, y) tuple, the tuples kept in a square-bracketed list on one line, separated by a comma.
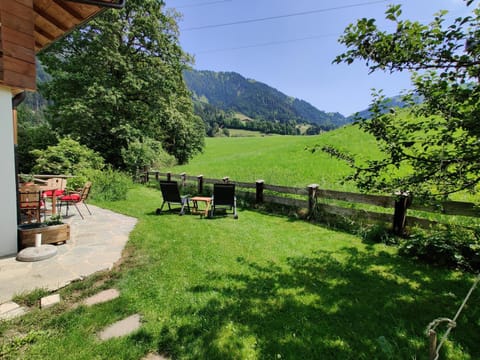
[(31, 204)]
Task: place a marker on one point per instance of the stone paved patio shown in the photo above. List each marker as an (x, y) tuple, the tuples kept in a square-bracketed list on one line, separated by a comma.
[(95, 244)]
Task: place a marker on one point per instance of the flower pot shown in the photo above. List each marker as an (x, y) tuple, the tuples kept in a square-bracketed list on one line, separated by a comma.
[(51, 234)]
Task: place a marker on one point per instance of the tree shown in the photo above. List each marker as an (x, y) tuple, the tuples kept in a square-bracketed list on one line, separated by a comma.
[(432, 147), (120, 76), (144, 154), (29, 138)]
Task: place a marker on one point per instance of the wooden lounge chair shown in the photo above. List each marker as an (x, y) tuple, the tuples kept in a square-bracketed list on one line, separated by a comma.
[(224, 197), (171, 195)]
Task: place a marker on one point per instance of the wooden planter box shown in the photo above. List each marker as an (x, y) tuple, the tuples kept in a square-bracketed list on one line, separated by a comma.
[(51, 234)]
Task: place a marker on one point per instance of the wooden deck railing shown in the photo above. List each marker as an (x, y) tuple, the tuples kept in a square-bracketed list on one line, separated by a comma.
[(316, 201)]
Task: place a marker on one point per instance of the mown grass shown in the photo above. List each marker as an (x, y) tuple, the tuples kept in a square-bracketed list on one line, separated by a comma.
[(261, 287)]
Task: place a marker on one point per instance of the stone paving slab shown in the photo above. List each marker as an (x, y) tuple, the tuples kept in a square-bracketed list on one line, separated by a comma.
[(10, 310), (95, 244), (50, 300), (121, 328), (101, 297)]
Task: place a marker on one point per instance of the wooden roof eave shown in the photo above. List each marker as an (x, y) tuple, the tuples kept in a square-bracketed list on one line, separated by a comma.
[(40, 47)]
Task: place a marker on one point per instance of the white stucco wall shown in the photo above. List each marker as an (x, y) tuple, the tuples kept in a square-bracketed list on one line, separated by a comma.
[(8, 191)]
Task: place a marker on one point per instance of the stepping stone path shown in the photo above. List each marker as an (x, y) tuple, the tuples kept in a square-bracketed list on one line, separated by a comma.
[(120, 328), (101, 297)]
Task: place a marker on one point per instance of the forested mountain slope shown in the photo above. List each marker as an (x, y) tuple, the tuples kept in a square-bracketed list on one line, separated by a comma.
[(230, 91)]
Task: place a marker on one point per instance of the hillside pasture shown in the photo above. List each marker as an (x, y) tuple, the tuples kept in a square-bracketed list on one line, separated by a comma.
[(289, 161), (281, 160)]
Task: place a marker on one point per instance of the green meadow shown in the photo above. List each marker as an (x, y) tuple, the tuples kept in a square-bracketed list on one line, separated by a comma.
[(288, 160), (281, 160)]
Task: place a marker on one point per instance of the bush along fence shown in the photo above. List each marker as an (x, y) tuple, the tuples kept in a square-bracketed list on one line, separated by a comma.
[(330, 204)]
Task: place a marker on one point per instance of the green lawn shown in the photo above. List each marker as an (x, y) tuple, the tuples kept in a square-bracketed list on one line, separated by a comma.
[(261, 287)]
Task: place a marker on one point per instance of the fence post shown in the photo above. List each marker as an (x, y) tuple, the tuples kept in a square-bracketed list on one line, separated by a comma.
[(402, 202), (226, 179), (145, 172), (137, 177), (432, 337), (312, 198), (184, 179), (200, 183), (156, 175), (169, 176), (259, 191)]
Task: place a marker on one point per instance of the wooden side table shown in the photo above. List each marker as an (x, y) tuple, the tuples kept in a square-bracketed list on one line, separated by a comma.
[(196, 200)]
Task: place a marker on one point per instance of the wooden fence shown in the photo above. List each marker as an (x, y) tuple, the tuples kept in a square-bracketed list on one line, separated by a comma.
[(314, 200)]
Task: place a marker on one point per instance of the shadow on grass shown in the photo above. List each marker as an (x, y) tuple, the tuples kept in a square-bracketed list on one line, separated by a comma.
[(364, 306)]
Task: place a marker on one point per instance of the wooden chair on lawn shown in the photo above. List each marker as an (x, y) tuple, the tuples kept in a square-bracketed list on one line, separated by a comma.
[(171, 195), (75, 198)]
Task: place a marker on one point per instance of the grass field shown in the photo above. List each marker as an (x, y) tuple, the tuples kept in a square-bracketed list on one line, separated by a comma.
[(281, 160), (261, 287)]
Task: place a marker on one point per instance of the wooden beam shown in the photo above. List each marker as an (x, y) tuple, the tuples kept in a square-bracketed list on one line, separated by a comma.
[(42, 32), (50, 19), (17, 42), (69, 9)]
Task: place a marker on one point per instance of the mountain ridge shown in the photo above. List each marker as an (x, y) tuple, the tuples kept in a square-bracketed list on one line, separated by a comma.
[(230, 91)]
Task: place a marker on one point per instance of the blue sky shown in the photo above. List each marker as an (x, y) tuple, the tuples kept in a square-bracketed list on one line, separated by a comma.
[(294, 53)]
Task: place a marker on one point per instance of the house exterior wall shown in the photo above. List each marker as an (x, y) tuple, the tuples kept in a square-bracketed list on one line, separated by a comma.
[(8, 190), (17, 44)]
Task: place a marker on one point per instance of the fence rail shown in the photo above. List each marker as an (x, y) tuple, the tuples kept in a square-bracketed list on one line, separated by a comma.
[(310, 197)]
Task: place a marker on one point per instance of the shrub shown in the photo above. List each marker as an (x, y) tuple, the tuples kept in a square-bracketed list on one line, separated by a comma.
[(67, 157), (451, 246), (145, 154), (107, 184), (378, 233)]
